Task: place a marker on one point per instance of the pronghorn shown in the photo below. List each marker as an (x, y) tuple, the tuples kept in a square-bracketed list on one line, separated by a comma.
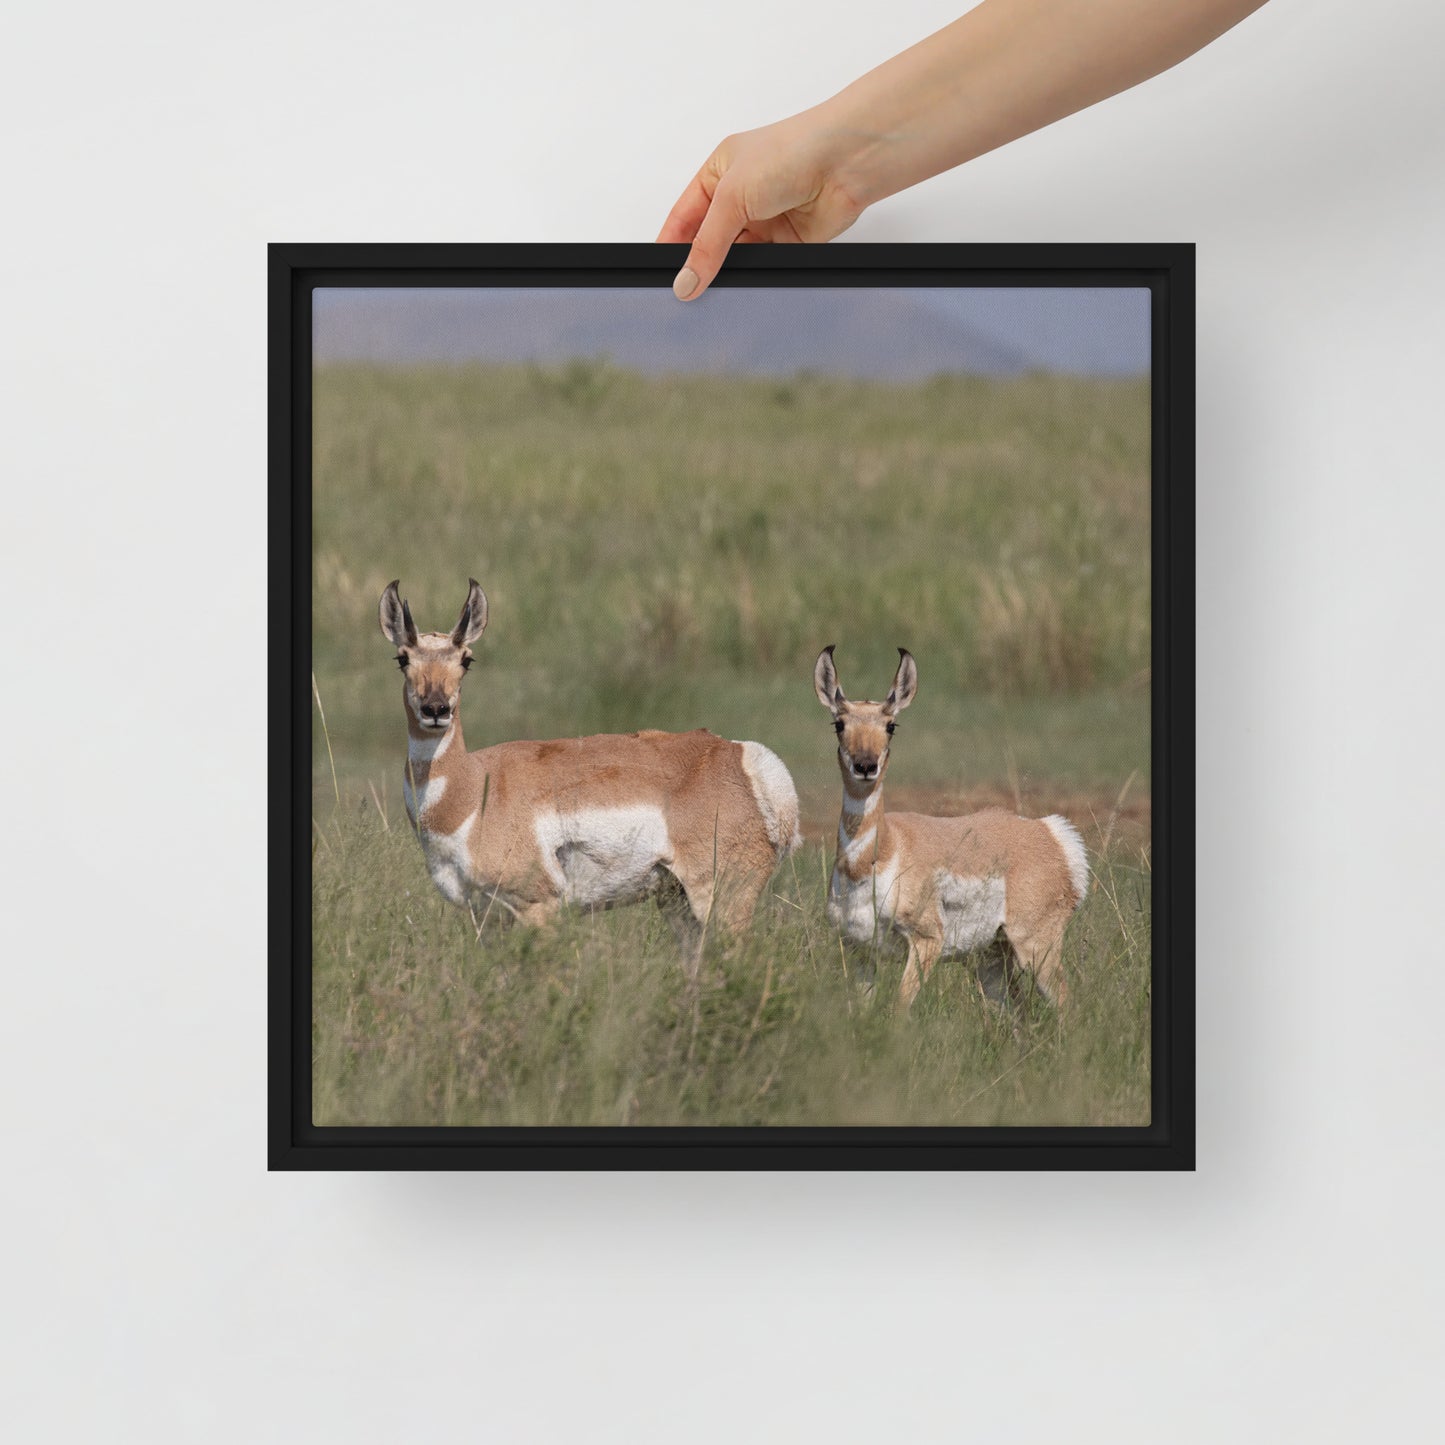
[(688, 818), (947, 884)]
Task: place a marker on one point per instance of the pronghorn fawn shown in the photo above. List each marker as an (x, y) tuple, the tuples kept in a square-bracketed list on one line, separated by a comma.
[(690, 819), (948, 885)]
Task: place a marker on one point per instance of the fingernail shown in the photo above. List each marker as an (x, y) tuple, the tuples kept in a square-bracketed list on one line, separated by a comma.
[(685, 284)]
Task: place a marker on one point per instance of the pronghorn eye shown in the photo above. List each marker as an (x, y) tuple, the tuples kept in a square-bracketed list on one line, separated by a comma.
[(401, 660), (466, 663), (838, 725), (892, 728)]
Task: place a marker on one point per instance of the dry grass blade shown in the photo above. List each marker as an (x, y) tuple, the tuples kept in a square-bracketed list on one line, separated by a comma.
[(380, 808), (326, 733), (762, 1004), (995, 1082), (1115, 811)]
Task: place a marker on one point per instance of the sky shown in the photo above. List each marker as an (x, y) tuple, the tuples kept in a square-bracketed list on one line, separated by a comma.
[(891, 333)]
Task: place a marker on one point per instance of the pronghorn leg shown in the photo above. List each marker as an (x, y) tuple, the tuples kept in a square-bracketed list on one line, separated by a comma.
[(997, 978), (717, 902), (534, 915), (679, 907), (922, 955), (1041, 955), (865, 974), (1048, 970), (735, 900), (908, 989), (992, 974)]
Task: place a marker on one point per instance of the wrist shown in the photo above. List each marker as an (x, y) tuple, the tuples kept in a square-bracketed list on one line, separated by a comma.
[(856, 151)]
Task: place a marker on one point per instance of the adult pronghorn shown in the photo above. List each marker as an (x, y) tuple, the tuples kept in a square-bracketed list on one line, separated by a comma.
[(947, 884), (688, 818)]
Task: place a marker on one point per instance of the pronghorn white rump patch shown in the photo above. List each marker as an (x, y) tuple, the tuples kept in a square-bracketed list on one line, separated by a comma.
[(1073, 845), (861, 909), (448, 860), (604, 855), (776, 797), (430, 794), (970, 909)]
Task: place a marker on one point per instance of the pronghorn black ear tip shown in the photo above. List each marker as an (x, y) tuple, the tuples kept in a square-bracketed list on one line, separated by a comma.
[(829, 648)]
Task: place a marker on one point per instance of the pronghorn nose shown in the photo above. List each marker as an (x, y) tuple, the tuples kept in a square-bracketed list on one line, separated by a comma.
[(867, 769), (435, 710)]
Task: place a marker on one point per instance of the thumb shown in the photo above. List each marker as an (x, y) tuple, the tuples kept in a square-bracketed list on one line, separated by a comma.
[(726, 217)]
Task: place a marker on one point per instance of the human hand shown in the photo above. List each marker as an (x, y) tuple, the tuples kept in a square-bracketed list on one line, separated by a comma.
[(782, 182), (1004, 69)]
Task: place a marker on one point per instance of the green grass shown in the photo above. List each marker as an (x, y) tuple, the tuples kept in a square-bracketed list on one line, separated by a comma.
[(591, 1022), (673, 553)]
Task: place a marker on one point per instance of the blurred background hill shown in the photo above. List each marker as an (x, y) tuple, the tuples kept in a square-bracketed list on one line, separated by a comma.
[(903, 334)]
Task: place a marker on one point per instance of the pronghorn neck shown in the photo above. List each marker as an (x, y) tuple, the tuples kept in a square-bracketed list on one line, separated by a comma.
[(435, 763), (860, 829), (428, 750)]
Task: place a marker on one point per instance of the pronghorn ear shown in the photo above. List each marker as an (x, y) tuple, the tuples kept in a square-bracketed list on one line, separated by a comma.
[(396, 624), (473, 619), (825, 679), (905, 682)]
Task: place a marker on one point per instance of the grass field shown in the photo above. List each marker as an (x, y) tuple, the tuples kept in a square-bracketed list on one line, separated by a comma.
[(672, 553)]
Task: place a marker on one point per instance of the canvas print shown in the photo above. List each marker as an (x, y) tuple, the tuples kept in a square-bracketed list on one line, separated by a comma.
[(735, 714)]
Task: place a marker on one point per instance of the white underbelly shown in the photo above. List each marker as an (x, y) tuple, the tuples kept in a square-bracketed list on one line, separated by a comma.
[(971, 910), (597, 856)]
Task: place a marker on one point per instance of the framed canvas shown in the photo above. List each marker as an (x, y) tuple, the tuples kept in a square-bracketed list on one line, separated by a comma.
[(748, 733)]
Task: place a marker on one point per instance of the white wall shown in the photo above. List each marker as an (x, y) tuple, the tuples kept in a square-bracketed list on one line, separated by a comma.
[(160, 1286)]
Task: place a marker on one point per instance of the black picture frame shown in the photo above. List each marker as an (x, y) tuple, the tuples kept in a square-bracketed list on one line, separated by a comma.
[(1167, 1142)]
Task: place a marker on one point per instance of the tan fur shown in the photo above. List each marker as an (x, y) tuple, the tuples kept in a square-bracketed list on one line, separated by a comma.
[(905, 869), (713, 864)]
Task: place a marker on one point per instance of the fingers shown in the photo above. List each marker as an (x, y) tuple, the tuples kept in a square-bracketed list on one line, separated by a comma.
[(686, 216), (709, 215), (780, 228), (725, 220)]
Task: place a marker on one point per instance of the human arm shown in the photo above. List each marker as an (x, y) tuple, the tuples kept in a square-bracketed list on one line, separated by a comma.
[(1004, 69)]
